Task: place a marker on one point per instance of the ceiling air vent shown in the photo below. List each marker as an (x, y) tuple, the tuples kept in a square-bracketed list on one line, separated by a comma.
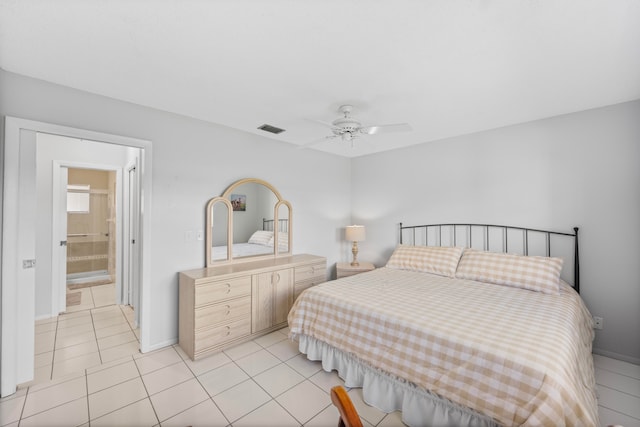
[(272, 129)]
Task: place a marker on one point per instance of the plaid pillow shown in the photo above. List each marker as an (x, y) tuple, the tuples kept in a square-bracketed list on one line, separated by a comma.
[(261, 238), (429, 259), (536, 273)]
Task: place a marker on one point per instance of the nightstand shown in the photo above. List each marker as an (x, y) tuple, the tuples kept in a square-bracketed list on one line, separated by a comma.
[(345, 269)]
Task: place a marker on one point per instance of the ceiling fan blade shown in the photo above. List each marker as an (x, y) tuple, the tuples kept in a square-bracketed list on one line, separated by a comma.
[(329, 125), (317, 141), (398, 127)]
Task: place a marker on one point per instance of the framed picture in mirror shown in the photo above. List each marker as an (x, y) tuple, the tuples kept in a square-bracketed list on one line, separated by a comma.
[(239, 202)]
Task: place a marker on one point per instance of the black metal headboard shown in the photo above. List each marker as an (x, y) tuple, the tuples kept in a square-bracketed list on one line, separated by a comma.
[(525, 241), (268, 225)]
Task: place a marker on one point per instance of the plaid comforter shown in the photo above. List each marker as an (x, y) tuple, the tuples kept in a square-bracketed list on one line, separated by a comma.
[(518, 356)]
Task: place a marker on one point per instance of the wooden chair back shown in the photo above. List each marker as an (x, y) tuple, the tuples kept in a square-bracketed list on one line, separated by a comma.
[(348, 415)]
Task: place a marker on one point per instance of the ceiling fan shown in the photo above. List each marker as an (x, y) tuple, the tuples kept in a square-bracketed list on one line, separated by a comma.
[(348, 128)]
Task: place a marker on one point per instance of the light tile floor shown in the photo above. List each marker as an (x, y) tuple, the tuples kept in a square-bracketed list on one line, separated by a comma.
[(82, 339), (262, 382), (93, 297), (618, 391)]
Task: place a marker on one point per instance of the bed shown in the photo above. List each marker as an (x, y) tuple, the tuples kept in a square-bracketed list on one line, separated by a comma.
[(492, 334)]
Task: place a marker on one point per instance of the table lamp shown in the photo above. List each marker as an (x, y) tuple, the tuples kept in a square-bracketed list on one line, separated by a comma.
[(355, 233)]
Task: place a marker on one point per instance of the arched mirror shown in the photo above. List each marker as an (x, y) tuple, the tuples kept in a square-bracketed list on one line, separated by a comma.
[(250, 219)]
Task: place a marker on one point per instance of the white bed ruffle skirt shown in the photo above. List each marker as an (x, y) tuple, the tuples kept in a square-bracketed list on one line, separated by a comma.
[(388, 393)]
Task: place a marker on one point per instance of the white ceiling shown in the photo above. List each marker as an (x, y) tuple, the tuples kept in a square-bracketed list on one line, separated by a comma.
[(447, 67)]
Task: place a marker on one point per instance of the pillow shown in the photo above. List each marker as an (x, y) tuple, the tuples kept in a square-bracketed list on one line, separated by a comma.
[(536, 273), (283, 242), (262, 238), (429, 259)]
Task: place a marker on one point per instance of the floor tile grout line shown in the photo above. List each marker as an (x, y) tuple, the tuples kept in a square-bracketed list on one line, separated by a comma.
[(86, 382), (619, 391), (95, 335), (53, 407), (122, 407), (618, 373), (50, 409), (53, 356), (93, 301), (207, 391), (618, 412), (275, 398), (24, 404), (252, 378), (155, 413), (276, 356)]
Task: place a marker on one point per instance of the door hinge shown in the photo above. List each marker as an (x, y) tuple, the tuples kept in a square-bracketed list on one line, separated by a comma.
[(63, 243)]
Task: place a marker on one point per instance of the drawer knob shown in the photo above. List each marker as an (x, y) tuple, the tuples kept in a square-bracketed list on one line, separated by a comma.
[(228, 287), (228, 331), (228, 310)]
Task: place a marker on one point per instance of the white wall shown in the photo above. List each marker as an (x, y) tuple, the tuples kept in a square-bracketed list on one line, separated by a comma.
[(192, 162), (580, 169)]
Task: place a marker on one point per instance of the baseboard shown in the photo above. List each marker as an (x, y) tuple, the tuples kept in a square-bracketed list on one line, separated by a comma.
[(613, 355), (83, 277), (158, 346)]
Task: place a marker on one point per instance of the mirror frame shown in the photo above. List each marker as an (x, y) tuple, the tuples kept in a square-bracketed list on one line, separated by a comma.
[(224, 198)]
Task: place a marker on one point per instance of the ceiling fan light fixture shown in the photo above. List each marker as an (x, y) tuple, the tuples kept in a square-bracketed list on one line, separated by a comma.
[(348, 128)]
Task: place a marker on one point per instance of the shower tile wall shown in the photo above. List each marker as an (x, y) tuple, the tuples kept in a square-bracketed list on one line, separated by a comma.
[(89, 234)]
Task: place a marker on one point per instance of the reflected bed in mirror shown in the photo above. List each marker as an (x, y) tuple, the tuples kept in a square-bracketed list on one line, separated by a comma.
[(261, 242), (233, 233)]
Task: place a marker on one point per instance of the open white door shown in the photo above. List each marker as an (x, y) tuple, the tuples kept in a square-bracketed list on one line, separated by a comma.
[(60, 181), (134, 244)]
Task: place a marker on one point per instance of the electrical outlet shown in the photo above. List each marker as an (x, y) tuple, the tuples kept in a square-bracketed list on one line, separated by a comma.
[(598, 322)]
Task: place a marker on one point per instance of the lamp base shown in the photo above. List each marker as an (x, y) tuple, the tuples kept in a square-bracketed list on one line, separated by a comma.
[(354, 251)]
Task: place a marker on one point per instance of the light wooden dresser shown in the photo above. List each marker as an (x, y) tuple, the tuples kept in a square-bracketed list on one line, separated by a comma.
[(225, 305)]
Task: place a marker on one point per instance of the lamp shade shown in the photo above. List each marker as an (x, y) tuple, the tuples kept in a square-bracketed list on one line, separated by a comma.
[(355, 233)]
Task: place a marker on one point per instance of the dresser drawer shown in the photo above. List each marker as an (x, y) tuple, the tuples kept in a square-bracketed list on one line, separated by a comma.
[(222, 290), (222, 312), (219, 335), (309, 272), (305, 284)]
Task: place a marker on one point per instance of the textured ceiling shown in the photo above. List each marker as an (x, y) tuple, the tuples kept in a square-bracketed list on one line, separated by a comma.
[(445, 67)]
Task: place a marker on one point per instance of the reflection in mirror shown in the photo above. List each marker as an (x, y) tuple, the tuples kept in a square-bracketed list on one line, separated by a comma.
[(283, 234), (219, 230), (248, 220), (252, 232)]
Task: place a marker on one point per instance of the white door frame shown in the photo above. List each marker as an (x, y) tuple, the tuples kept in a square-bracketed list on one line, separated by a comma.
[(59, 288), (12, 300)]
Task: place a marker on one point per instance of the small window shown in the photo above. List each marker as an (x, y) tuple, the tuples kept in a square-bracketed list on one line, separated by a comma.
[(78, 198)]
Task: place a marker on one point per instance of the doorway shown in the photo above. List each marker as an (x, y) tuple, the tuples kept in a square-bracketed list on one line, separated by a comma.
[(90, 239), (21, 231)]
